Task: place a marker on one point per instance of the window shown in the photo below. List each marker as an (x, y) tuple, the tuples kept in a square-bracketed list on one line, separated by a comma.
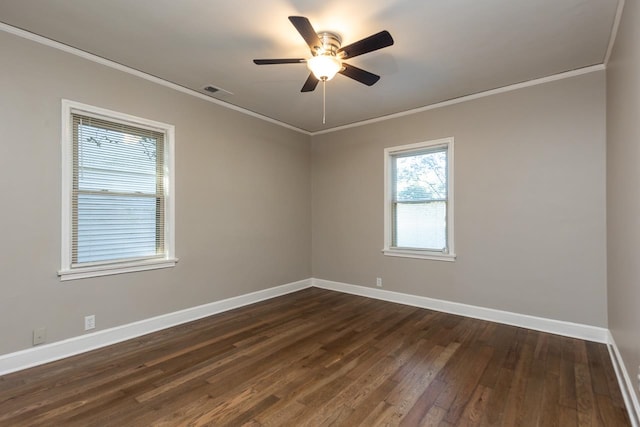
[(419, 200), (117, 201)]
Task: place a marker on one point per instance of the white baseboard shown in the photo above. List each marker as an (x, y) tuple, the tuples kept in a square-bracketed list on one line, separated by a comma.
[(559, 327), (626, 385), (59, 350)]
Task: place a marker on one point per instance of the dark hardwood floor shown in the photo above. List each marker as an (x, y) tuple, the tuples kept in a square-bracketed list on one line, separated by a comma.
[(316, 358)]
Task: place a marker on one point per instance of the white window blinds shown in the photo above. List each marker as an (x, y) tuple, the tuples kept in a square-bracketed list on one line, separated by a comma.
[(118, 194)]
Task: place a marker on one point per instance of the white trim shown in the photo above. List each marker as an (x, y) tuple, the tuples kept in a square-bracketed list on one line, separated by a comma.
[(102, 61), (170, 195), (68, 49), (449, 254), (626, 385), (116, 268), (529, 83), (67, 272), (69, 106), (559, 327), (59, 350), (35, 356), (39, 355), (66, 150), (614, 32), (406, 253)]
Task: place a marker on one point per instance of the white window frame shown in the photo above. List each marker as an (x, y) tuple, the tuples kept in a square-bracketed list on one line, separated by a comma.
[(446, 255), (69, 272)]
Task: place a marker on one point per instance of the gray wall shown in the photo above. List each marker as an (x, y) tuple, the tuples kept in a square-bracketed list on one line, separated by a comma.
[(529, 202), (243, 216), (623, 195)]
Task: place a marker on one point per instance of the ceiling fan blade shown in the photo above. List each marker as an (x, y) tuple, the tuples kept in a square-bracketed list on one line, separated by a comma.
[(369, 44), (279, 61), (307, 32), (310, 84), (359, 74)]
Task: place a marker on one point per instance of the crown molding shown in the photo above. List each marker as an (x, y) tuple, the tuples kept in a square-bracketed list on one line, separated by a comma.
[(528, 83), (132, 71), (614, 31), (120, 67)]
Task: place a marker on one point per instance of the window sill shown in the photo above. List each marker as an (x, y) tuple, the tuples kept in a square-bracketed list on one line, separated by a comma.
[(117, 268), (408, 253)]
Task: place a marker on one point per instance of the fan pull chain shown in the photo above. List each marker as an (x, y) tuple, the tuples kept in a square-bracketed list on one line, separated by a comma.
[(324, 102)]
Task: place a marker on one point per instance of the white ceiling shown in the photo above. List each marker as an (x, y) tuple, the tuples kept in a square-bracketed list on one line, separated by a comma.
[(444, 49)]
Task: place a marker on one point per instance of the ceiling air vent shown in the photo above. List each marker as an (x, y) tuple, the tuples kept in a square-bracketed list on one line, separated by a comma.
[(213, 90)]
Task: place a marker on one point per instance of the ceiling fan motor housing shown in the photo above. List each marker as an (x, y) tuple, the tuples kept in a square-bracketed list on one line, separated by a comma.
[(331, 42)]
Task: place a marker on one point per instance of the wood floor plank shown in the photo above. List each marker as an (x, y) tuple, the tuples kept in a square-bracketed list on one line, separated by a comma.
[(585, 399), (554, 355), (497, 404), (532, 404), (468, 381), (568, 384), (362, 411), (408, 390), (569, 417), (424, 404), (316, 358), (550, 405), (475, 409), (434, 417), (609, 413)]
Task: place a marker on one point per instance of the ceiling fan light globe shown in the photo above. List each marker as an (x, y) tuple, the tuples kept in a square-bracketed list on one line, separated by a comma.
[(324, 67)]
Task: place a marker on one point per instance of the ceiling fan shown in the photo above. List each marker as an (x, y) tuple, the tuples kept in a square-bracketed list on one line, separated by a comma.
[(328, 55)]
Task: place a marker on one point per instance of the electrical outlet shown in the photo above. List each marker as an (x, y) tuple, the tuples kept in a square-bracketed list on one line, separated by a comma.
[(89, 322), (379, 282), (39, 336)]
